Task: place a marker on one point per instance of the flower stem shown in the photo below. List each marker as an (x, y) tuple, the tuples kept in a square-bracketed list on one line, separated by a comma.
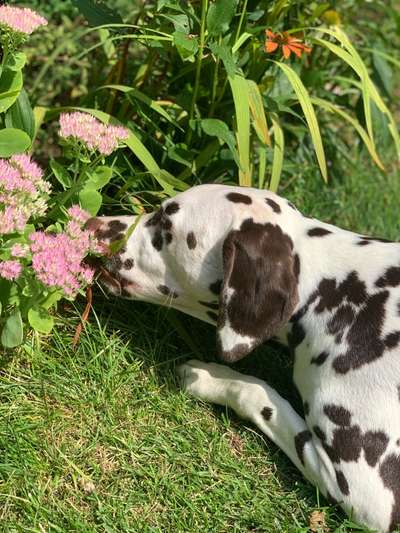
[(204, 8)]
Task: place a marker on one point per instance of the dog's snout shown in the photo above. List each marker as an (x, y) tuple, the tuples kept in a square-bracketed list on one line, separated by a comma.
[(93, 224)]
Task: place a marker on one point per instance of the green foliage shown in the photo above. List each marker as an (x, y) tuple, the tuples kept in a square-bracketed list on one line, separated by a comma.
[(169, 67)]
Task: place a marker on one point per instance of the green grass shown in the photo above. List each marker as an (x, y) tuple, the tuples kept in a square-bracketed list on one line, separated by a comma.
[(102, 439)]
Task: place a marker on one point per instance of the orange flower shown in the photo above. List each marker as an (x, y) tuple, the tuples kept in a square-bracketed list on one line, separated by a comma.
[(288, 43)]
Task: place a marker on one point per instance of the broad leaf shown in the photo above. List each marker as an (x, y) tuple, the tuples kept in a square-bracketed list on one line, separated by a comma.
[(220, 15), (20, 115), (90, 200), (97, 13), (40, 319), (10, 87), (186, 45), (218, 128), (13, 141), (13, 331), (61, 174), (100, 177)]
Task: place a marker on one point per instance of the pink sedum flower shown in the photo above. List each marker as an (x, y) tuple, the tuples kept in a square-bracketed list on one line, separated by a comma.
[(21, 19), (19, 250), (10, 269), (23, 192), (78, 214), (91, 132), (57, 259)]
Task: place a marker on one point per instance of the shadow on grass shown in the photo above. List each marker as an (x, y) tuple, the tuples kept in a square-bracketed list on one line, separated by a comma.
[(147, 327)]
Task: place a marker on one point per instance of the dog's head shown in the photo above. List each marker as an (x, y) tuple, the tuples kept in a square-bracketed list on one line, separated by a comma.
[(215, 252)]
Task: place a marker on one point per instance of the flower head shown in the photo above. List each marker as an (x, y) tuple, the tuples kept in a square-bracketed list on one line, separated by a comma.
[(288, 43), (91, 132), (23, 192), (57, 258), (78, 214), (19, 250), (21, 19), (10, 269)]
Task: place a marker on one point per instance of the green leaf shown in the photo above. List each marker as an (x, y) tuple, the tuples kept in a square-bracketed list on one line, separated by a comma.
[(258, 113), (309, 113), (90, 200), (51, 299), (279, 149), (240, 42), (369, 91), (99, 177), (97, 13), (224, 53), (13, 141), (10, 87), (61, 174), (40, 319), (218, 128), (356, 125), (13, 331), (39, 113), (240, 94), (220, 15), (186, 45), (20, 115), (201, 160), (384, 73), (133, 93), (16, 61)]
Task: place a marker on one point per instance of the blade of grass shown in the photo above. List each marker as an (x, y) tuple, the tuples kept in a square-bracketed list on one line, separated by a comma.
[(262, 162), (258, 113), (368, 87), (328, 106), (135, 93), (309, 113), (239, 87), (279, 148)]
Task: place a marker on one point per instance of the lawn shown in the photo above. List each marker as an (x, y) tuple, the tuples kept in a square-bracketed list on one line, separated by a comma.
[(102, 439)]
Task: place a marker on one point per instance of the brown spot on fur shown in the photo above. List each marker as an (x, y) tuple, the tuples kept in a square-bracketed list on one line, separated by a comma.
[(172, 208), (318, 232), (167, 291), (337, 414), (267, 413), (274, 205), (191, 240), (239, 198), (300, 440)]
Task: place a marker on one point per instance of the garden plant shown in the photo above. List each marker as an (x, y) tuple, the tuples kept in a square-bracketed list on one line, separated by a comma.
[(111, 107)]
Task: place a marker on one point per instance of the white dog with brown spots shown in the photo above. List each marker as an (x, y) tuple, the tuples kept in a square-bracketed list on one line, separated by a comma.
[(249, 262)]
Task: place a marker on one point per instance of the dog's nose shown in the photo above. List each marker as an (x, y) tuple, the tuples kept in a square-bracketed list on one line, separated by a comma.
[(93, 224)]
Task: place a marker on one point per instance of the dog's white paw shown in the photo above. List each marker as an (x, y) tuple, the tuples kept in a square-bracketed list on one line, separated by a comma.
[(206, 381)]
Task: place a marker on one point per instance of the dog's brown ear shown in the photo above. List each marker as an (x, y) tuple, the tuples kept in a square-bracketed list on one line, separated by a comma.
[(259, 291)]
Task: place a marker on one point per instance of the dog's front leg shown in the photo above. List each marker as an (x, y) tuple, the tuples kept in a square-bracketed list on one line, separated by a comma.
[(256, 401)]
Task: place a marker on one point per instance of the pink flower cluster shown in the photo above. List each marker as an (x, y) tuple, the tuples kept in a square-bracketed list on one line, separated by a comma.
[(10, 269), (23, 192), (91, 132), (57, 258), (21, 19)]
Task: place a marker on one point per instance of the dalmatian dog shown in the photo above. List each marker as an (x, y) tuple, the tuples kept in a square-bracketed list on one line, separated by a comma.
[(250, 263)]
